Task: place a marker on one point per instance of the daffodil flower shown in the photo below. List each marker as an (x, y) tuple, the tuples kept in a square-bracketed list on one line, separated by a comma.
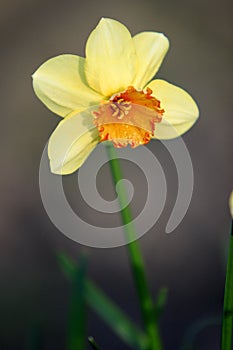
[(109, 95), (231, 204)]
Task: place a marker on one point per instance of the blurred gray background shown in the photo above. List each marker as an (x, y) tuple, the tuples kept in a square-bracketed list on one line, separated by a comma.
[(191, 261)]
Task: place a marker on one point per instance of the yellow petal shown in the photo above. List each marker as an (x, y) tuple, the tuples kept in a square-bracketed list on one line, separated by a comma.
[(71, 143), (231, 204), (60, 84), (151, 49), (110, 57), (181, 111)]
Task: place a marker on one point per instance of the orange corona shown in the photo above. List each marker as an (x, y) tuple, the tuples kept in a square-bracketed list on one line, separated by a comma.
[(128, 117)]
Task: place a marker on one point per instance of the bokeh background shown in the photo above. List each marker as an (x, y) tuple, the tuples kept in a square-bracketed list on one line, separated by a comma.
[(191, 262)]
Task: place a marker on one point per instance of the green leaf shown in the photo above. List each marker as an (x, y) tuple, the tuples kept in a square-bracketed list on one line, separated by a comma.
[(93, 343), (227, 321), (160, 302), (76, 333), (116, 319), (189, 339)]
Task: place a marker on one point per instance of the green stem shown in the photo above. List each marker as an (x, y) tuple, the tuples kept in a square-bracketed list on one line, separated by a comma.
[(135, 256), (227, 322)]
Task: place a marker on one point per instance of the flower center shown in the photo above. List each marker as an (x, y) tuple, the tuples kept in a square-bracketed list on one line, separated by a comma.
[(128, 117)]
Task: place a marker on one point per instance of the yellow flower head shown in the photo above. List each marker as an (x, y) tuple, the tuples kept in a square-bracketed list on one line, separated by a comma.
[(109, 95), (231, 204)]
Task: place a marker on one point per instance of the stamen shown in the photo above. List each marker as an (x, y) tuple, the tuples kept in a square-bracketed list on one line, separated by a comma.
[(128, 118)]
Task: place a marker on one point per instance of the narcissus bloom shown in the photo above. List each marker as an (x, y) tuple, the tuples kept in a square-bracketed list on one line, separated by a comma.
[(109, 95), (231, 204)]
